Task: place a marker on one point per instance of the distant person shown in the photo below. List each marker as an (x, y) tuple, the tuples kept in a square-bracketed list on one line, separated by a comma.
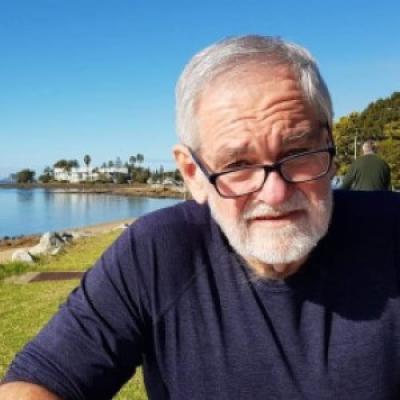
[(368, 172)]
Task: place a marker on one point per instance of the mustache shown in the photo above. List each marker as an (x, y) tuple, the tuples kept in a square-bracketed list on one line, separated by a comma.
[(259, 210)]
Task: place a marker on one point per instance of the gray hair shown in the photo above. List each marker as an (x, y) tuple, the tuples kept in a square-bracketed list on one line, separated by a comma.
[(232, 53)]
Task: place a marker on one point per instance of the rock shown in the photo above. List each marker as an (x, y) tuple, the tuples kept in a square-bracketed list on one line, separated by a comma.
[(78, 235), (54, 239), (67, 237), (56, 251), (122, 226), (22, 255), (48, 242)]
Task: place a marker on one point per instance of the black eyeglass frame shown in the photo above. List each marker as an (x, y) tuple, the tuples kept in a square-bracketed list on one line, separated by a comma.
[(268, 168)]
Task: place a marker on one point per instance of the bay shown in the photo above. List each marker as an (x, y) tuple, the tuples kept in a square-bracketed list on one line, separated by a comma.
[(31, 211)]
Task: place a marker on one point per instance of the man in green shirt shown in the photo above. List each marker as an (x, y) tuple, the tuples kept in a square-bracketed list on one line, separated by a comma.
[(368, 172)]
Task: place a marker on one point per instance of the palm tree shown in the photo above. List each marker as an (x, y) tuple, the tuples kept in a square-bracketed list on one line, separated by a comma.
[(139, 158), (87, 161), (132, 160)]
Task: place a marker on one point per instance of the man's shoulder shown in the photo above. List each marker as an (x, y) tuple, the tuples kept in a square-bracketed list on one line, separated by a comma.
[(371, 159), (169, 235), (383, 206), (161, 253), (182, 217)]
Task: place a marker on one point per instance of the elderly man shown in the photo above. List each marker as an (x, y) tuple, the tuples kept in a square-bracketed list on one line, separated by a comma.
[(258, 289)]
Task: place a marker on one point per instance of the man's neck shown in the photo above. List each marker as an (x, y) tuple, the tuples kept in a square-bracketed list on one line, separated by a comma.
[(274, 271)]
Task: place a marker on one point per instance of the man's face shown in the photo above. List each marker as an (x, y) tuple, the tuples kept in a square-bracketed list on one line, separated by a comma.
[(261, 117)]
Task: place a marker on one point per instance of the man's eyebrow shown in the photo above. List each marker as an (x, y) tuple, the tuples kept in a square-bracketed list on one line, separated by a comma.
[(302, 136), (230, 152)]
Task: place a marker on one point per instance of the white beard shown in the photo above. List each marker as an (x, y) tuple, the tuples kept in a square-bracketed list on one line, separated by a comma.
[(277, 245)]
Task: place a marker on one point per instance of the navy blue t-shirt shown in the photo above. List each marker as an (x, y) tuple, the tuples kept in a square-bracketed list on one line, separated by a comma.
[(170, 294)]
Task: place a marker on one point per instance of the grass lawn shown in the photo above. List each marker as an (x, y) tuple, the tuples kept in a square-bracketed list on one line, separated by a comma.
[(24, 309)]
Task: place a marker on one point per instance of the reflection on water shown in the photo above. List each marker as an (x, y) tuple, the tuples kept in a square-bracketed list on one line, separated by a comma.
[(25, 195), (24, 211)]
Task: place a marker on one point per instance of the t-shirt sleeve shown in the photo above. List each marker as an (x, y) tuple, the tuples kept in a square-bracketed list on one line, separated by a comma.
[(93, 345)]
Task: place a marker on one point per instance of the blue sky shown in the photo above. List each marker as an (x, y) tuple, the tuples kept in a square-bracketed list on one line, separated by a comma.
[(97, 77)]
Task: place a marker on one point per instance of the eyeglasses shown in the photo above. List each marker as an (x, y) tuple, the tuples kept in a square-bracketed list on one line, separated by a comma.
[(301, 167)]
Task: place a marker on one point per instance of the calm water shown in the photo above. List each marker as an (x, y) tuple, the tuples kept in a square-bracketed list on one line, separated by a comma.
[(30, 211)]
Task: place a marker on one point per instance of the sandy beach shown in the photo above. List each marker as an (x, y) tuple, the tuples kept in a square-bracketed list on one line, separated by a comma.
[(6, 252)]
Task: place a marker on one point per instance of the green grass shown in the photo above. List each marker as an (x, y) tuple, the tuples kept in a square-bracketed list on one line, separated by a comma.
[(13, 268), (24, 309)]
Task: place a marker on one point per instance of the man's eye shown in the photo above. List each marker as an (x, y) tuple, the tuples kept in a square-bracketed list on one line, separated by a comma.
[(237, 164)]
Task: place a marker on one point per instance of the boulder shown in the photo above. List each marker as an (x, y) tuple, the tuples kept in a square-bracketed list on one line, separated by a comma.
[(119, 227), (22, 255), (48, 243), (67, 237), (56, 251), (81, 234)]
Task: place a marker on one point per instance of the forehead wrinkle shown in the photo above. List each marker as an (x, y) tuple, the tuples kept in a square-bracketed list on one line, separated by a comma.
[(292, 108), (305, 135)]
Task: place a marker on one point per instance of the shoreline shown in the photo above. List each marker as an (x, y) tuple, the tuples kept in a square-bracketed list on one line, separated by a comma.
[(136, 190), (7, 247)]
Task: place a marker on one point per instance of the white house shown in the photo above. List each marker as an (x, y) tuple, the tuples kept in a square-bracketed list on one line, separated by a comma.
[(76, 175)]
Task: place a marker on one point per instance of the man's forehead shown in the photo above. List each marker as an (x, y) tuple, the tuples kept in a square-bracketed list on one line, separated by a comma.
[(241, 77), (312, 133), (237, 144)]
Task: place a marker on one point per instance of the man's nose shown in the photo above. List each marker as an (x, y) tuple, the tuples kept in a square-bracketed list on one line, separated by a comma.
[(275, 190)]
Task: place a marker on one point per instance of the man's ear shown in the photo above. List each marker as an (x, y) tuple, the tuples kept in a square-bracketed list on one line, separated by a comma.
[(190, 173)]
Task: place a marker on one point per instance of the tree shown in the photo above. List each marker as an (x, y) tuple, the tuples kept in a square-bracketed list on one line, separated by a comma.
[(61, 164), (48, 171), (47, 175), (379, 122), (142, 175), (72, 164), (44, 178), (67, 165), (87, 161), (389, 150), (177, 176), (110, 164), (121, 178), (346, 132), (139, 158), (118, 162), (132, 160), (25, 176)]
